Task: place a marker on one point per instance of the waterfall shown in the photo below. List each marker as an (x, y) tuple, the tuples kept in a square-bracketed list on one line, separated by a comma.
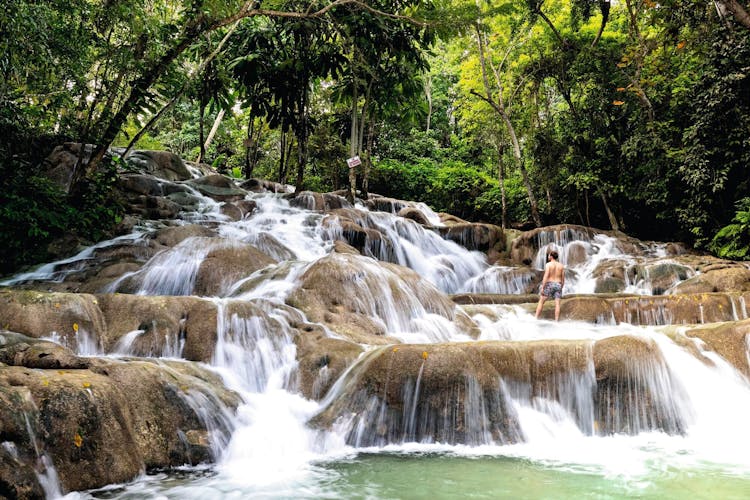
[(45, 469), (486, 380)]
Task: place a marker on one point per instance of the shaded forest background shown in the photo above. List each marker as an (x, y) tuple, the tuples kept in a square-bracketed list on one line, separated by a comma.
[(631, 115)]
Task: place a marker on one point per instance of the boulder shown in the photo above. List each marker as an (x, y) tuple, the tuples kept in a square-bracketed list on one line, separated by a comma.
[(141, 184), (729, 340), (73, 319), (577, 254), (154, 207), (172, 236), (218, 187), (355, 228), (322, 360), (525, 247), (185, 199), (109, 422), (159, 325), (383, 204), (161, 164), (262, 185), (483, 237), (238, 210), (20, 350), (318, 202), (223, 267), (660, 276), (461, 392), (716, 279), (414, 214), (450, 220), (635, 391), (610, 276), (62, 161), (363, 300)]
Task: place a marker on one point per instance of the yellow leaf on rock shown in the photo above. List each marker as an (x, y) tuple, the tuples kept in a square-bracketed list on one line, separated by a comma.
[(75, 327), (78, 440), (424, 355), (395, 349), (86, 385)]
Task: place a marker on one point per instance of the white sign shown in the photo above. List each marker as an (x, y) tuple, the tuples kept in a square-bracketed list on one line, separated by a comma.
[(353, 161)]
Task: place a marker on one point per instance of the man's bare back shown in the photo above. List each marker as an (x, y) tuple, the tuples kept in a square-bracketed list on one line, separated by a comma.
[(554, 272)]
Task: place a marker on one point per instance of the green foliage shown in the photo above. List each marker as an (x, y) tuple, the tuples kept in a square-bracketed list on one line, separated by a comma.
[(733, 241), (455, 189), (716, 151), (34, 212), (406, 181)]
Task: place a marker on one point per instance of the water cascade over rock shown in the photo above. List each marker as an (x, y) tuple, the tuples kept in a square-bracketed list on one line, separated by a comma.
[(263, 333)]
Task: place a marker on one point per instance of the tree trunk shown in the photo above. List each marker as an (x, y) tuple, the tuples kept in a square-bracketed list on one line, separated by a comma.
[(499, 108), (353, 142), (501, 182), (151, 123), (738, 11), (612, 218), (428, 94), (214, 129), (604, 6), (301, 159), (302, 136), (282, 158), (135, 99), (201, 132), (367, 160), (635, 81), (251, 148)]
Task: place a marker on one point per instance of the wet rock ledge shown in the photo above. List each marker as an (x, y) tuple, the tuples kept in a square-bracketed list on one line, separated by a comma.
[(100, 420)]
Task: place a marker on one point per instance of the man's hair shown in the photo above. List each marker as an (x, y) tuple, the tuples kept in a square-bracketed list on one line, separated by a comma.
[(553, 253)]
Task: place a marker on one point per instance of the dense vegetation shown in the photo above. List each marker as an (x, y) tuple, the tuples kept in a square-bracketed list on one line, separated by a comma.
[(630, 115)]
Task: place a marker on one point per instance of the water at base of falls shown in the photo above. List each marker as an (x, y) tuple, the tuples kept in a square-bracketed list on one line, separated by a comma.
[(427, 472)]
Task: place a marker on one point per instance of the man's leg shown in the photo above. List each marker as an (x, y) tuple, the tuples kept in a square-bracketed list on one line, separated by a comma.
[(557, 309), (542, 298)]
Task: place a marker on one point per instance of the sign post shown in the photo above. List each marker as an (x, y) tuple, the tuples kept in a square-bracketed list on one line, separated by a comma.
[(353, 161)]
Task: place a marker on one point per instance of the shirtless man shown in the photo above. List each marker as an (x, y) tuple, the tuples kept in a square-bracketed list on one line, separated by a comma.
[(552, 283)]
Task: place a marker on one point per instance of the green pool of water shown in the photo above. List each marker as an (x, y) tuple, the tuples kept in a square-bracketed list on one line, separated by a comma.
[(438, 476)]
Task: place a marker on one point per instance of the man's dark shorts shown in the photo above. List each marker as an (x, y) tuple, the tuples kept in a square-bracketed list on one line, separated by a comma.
[(552, 290)]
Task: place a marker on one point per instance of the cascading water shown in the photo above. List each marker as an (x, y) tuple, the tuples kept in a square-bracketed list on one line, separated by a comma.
[(673, 409)]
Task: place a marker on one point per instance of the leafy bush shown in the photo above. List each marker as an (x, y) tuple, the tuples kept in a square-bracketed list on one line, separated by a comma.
[(35, 211), (456, 189), (402, 180), (733, 241)]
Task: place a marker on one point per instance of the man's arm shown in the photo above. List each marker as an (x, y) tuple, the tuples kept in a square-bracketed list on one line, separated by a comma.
[(546, 274)]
